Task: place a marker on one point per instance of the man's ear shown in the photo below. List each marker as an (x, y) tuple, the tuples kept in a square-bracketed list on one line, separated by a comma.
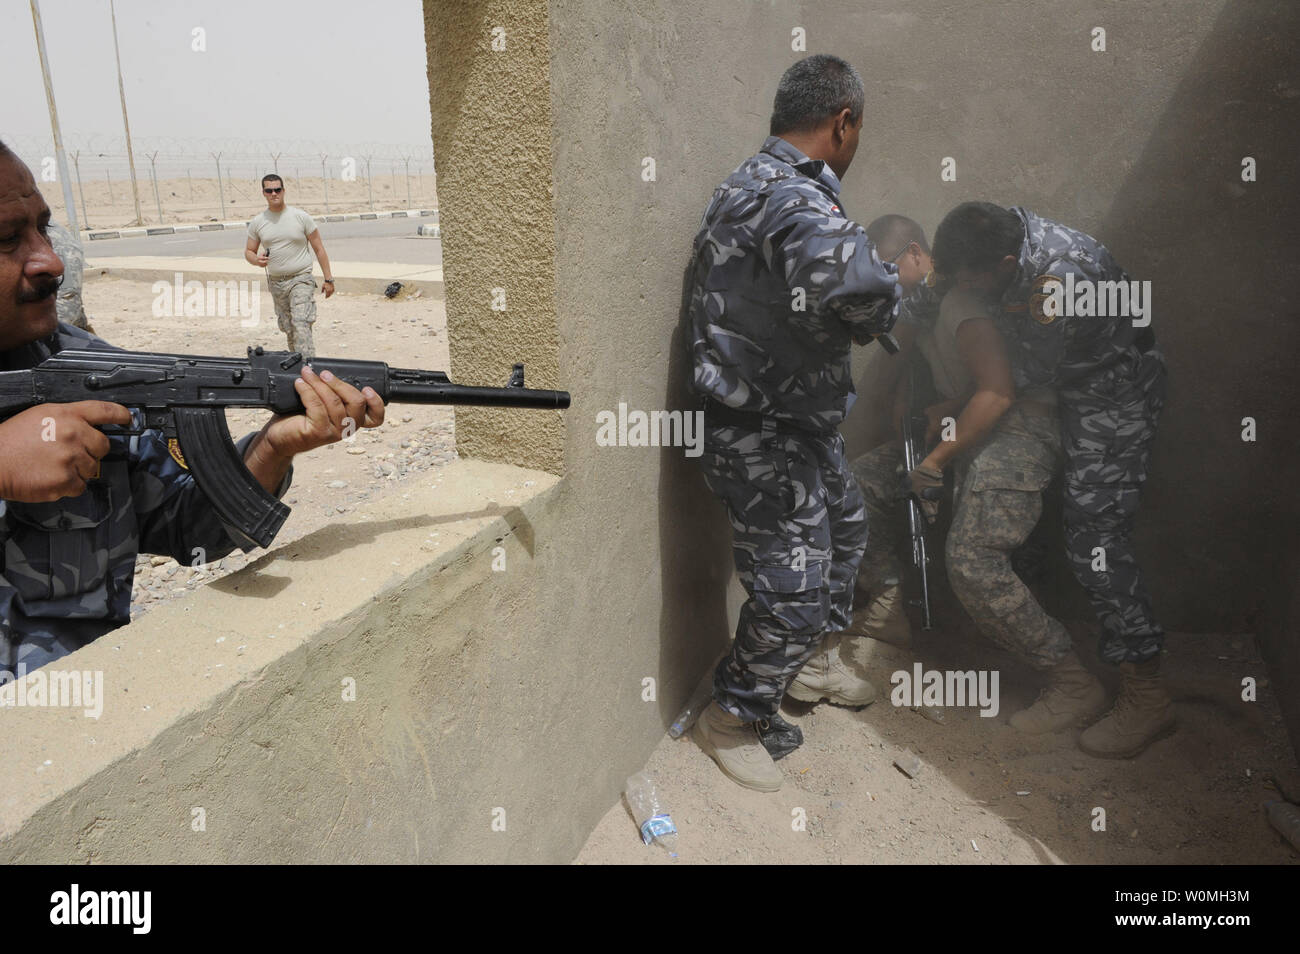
[(843, 122)]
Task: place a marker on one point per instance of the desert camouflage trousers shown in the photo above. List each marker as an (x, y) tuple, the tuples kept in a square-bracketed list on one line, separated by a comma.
[(295, 309), (1108, 425), (997, 501), (798, 531)]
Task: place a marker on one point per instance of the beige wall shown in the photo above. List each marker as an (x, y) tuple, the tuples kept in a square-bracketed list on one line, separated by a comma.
[(232, 701), (1140, 144), (492, 138)]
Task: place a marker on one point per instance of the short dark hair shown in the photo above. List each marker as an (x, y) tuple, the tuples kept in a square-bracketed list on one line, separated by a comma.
[(976, 235), (812, 91), (5, 150), (271, 177), (890, 234)]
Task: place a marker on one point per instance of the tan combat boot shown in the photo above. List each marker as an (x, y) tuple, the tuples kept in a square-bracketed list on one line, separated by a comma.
[(735, 746), (1073, 697), (884, 618), (1141, 715), (825, 677)]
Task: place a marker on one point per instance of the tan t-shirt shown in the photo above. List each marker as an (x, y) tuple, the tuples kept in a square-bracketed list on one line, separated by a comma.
[(284, 234), (951, 378)]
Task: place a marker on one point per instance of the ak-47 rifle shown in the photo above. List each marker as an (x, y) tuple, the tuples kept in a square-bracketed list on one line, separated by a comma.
[(914, 427), (186, 396)]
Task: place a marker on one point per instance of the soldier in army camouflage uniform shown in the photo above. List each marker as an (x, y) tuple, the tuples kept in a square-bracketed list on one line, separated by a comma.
[(290, 236), (68, 247), (76, 510), (781, 284), (1005, 447), (1111, 381)]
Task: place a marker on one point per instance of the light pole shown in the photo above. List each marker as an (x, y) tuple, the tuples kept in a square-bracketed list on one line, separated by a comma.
[(121, 90), (59, 157)]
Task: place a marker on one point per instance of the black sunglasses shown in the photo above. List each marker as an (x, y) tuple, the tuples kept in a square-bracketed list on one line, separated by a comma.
[(273, 191)]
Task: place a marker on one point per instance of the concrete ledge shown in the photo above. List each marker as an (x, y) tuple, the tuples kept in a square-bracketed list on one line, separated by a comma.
[(231, 704)]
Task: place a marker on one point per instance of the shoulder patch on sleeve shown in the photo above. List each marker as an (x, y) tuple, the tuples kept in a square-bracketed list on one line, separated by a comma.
[(1045, 302)]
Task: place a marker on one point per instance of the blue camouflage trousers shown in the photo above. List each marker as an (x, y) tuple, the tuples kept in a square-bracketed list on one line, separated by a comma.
[(1108, 424), (799, 527)]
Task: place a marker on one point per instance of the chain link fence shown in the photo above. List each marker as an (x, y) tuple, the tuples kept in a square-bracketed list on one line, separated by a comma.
[(202, 180)]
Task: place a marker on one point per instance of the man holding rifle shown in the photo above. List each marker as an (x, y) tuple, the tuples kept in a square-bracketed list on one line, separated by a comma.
[(1004, 448), (72, 517)]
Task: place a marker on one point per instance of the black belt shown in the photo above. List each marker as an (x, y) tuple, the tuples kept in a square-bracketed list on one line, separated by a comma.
[(716, 412)]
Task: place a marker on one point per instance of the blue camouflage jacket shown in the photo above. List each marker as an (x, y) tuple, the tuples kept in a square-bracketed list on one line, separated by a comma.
[(1056, 350), (781, 284), (67, 567)]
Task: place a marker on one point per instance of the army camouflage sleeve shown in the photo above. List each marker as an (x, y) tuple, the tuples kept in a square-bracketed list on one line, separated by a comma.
[(829, 256), (173, 515), (920, 308)]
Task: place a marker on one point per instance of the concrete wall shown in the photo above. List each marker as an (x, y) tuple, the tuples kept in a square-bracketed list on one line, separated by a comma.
[(233, 702), (1131, 144), (492, 137), (1140, 144)]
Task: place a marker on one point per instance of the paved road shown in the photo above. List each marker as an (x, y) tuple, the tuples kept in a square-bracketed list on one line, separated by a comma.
[(373, 240)]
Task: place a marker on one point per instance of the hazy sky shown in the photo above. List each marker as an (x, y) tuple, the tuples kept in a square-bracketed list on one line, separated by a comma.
[(344, 72)]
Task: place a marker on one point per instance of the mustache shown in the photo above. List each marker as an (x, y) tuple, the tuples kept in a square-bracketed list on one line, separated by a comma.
[(42, 288)]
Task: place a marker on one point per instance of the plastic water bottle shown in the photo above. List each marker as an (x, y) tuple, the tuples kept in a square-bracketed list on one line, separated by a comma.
[(1285, 817), (697, 703), (656, 826)]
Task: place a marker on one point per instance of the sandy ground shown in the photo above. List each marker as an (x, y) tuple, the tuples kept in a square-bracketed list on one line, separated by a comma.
[(109, 205), (414, 440), (984, 793)]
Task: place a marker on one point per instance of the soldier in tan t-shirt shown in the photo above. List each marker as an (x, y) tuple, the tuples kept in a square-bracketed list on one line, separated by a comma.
[(289, 237), (1005, 448)]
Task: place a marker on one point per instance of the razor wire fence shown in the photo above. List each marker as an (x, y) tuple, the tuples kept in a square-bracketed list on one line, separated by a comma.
[(194, 180)]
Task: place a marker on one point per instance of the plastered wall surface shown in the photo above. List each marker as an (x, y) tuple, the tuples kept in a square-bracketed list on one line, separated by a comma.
[(227, 733), (1140, 144), (491, 133)]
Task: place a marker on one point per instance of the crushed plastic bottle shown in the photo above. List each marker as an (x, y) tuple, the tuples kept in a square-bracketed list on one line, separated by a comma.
[(657, 827), (1285, 817), (697, 703)]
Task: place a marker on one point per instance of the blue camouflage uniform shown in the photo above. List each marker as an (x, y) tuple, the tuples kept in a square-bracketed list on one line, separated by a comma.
[(67, 567), (781, 284), (1110, 378)]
